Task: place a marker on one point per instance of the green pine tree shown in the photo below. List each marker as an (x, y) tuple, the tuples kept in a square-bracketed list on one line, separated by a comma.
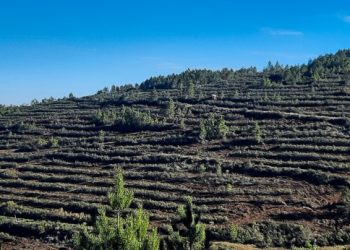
[(117, 232), (202, 131), (190, 89), (121, 197), (213, 128), (194, 235), (223, 129), (171, 109)]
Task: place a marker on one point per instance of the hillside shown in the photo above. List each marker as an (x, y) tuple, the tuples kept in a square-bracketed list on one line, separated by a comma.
[(268, 151)]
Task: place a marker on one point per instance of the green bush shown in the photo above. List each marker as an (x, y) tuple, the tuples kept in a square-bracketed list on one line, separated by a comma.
[(233, 232), (194, 234), (258, 133), (128, 119), (170, 111), (345, 196), (213, 128)]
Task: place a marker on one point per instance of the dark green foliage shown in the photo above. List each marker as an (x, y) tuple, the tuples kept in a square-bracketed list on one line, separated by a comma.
[(222, 128), (337, 63), (267, 82), (187, 78), (269, 234), (170, 111), (34, 102), (22, 127), (213, 128), (190, 89), (316, 76), (51, 143), (3, 110), (345, 195), (200, 168), (194, 236), (202, 130), (128, 119), (105, 117)]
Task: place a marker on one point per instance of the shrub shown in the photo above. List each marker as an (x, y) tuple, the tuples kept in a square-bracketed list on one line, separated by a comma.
[(190, 89), (202, 131), (233, 232), (128, 119), (53, 142), (200, 168), (105, 117), (345, 196), (219, 169), (213, 128), (194, 233), (267, 82), (258, 133), (170, 109)]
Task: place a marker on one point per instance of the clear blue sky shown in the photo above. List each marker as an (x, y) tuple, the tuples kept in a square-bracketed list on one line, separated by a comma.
[(54, 47)]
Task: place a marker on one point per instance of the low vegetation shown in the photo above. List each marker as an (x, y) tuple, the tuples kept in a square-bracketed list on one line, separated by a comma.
[(263, 154)]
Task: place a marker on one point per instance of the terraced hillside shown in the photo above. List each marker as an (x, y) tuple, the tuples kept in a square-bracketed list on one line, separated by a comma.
[(283, 165)]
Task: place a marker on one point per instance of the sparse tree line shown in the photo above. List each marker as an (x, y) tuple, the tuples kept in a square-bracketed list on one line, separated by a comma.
[(191, 80)]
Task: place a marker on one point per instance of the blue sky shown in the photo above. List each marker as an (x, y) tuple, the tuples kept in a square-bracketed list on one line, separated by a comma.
[(54, 47)]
